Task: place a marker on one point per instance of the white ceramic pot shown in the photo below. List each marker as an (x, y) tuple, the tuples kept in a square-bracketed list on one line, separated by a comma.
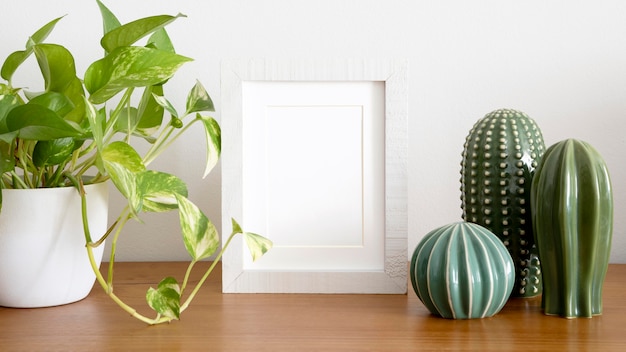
[(43, 260)]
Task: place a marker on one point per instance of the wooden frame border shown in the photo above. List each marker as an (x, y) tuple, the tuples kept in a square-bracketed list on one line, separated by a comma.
[(393, 279)]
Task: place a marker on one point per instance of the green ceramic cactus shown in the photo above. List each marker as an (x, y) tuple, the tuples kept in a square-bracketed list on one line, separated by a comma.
[(572, 207), (500, 155), (462, 271)]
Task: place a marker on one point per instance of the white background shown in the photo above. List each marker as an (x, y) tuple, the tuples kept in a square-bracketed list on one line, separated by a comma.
[(561, 62)]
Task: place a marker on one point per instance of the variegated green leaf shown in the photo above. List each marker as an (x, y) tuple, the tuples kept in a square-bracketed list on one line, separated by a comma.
[(214, 142), (131, 32), (54, 152), (198, 100), (97, 131), (199, 234), (257, 244), (165, 104), (165, 299), (122, 163), (127, 67), (158, 189), (6, 89), (123, 154), (126, 183), (236, 227)]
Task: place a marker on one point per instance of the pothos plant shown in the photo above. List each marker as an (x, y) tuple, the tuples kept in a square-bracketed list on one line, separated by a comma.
[(75, 127)]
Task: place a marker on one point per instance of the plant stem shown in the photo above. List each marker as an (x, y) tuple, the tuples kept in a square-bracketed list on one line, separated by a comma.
[(85, 165), (116, 113), (105, 236), (206, 275), (163, 142), (187, 274), (124, 217), (18, 182), (108, 288), (155, 150), (109, 291), (56, 176)]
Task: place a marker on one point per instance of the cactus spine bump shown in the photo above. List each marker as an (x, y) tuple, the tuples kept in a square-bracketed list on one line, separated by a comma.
[(500, 155)]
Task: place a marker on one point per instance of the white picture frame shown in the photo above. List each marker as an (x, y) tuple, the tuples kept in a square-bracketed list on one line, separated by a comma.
[(272, 112)]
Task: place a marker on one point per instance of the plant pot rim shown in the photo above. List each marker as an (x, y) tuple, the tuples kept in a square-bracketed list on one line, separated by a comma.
[(52, 189)]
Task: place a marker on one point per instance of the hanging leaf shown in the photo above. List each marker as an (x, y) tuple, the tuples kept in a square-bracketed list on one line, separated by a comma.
[(125, 155), (127, 67), (257, 244), (165, 299), (198, 100), (236, 228), (158, 189), (131, 32), (213, 135), (199, 234), (126, 183), (122, 163), (165, 104)]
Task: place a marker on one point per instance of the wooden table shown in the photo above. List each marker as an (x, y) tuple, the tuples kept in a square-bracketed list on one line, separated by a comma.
[(277, 322)]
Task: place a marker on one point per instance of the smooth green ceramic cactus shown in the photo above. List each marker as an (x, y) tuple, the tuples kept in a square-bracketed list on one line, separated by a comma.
[(500, 155), (462, 271), (572, 205)]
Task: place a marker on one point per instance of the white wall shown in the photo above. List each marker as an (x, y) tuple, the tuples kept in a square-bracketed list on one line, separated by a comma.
[(561, 62)]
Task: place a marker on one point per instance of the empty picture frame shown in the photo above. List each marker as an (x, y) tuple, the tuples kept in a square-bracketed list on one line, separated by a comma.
[(314, 158)]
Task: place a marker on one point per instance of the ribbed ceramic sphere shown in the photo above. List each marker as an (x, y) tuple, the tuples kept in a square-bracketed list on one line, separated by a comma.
[(500, 155), (572, 204), (462, 271)]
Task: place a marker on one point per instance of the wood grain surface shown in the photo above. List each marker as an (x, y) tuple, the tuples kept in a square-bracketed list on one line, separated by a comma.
[(303, 322)]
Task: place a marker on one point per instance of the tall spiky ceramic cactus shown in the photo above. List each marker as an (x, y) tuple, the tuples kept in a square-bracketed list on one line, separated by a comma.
[(500, 155), (572, 205)]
